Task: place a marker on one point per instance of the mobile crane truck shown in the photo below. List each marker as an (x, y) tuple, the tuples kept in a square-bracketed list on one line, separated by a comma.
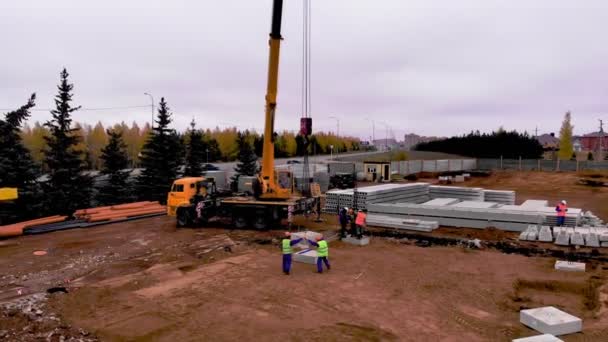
[(195, 200)]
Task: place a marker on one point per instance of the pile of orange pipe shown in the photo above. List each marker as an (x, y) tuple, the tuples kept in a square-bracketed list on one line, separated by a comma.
[(120, 212), (16, 229)]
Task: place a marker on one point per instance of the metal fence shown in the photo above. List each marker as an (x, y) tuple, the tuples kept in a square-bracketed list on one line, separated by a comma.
[(540, 165), (446, 165)]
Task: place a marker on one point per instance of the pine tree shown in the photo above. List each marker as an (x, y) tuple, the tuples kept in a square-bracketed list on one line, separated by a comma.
[(115, 161), (161, 157), (17, 168), (247, 160), (67, 188), (196, 151), (565, 139)]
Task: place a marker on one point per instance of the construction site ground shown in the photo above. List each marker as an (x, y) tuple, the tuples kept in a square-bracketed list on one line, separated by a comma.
[(148, 281)]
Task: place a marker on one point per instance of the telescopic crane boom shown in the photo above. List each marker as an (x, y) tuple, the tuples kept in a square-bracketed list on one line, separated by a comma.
[(270, 187)]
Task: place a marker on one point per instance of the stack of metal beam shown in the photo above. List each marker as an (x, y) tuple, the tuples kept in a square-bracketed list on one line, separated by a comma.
[(464, 216), (386, 221), (499, 196), (392, 193), (461, 193)]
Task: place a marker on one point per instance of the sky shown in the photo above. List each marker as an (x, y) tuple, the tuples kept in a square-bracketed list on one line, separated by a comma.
[(430, 67)]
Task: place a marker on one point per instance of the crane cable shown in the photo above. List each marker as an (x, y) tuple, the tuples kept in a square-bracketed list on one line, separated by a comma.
[(306, 61)]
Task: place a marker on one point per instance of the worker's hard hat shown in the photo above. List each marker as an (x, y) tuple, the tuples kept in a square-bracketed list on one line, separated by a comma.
[(287, 234), (564, 202), (345, 208), (319, 237)]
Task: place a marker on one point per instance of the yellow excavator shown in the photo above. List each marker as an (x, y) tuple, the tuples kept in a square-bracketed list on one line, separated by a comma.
[(196, 200)]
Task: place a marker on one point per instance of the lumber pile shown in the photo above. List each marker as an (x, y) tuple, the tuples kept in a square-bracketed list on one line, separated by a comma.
[(120, 212), (16, 229)]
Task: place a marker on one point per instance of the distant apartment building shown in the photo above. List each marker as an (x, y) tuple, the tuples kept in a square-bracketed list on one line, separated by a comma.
[(386, 144), (410, 140)]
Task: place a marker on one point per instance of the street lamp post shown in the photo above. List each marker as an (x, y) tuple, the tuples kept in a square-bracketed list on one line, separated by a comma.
[(373, 129), (331, 152), (152, 105)]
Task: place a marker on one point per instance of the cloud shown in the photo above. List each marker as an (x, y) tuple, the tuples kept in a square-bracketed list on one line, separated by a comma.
[(431, 67)]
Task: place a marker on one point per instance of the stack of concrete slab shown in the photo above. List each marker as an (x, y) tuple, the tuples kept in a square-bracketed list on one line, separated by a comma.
[(534, 204), (567, 236), (588, 218), (475, 205), (550, 320), (441, 201), (573, 216), (499, 196), (539, 338), (453, 216), (386, 221), (337, 198), (461, 193), (392, 193)]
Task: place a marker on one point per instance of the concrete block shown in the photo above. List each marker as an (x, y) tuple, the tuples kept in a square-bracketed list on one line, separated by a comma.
[(364, 241), (523, 235), (539, 338), (562, 238), (603, 237), (307, 256), (550, 320), (545, 234), (577, 239), (569, 266), (592, 240)]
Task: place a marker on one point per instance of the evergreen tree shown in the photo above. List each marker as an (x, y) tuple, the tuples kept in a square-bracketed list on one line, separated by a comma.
[(17, 168), (565, 139), (196, 152), (115, 161), (67, 188), (247, 160), (161, 157)]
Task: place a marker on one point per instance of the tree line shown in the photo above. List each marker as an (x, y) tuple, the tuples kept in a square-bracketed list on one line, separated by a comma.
[(488, 145), (50, 164), (221, 143)]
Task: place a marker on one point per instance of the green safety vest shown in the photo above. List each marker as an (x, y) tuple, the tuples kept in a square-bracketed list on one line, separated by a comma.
[(323, 249), (286, 246)]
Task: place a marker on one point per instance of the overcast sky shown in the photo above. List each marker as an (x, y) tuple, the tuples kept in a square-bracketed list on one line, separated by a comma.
[(429, 67)]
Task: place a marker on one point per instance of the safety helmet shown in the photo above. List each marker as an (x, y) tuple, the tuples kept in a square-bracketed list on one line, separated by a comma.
[(564, 202)]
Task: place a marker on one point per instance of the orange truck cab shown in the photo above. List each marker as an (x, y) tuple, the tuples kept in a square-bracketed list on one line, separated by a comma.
[(182, 191)]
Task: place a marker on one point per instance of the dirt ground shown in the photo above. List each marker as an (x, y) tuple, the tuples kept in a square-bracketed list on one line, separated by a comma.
[(148, 281)]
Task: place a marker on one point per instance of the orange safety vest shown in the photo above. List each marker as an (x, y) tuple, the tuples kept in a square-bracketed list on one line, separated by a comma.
[(360, 218), (562, 209)]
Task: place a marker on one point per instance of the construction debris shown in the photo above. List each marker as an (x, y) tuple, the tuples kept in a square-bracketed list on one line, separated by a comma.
[(550, 320)]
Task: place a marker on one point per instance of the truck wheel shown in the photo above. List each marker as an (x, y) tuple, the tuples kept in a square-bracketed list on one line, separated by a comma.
[(260, 222), (183, 219), (239, 222)]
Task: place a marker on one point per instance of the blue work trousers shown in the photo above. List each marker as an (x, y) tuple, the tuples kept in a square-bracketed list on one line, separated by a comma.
[(286, 263), (320, 261)]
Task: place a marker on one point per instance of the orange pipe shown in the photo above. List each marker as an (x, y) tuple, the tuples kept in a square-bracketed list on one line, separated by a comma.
[(46, 220), (127, 213), (11, 230)]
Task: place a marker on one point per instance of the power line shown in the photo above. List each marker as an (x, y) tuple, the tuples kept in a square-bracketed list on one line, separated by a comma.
[(83, 109)]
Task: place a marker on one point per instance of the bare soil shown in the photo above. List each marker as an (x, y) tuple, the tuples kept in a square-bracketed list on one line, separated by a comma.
[(148, 281)]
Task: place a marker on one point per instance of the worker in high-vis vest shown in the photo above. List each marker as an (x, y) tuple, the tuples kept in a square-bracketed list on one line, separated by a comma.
[(322, 253), (562, 209), (361, 221), (286, 244)]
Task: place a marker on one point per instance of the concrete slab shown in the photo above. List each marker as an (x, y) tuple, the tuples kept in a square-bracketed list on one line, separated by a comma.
[(592, 240), (539, 338), (306, 235), (307, 256), (550, 320), (442, 201), (475, 204), (535, 204), (364, 241), (569, 266)]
